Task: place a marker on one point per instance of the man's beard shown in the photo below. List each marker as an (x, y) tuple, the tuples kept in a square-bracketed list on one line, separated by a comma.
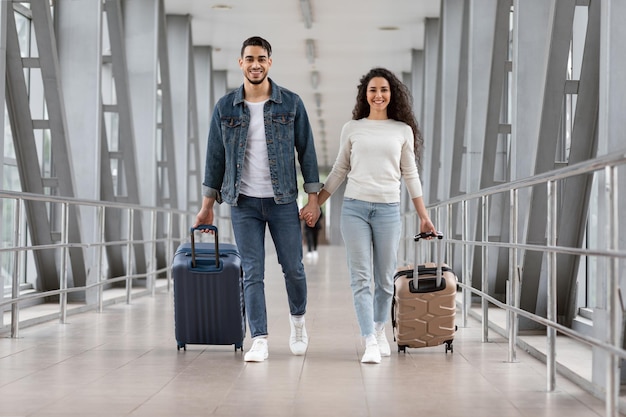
[(257, 81)]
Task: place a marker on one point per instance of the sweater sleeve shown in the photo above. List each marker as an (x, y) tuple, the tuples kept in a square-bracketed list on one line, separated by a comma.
[(408, 167), (341, 167)]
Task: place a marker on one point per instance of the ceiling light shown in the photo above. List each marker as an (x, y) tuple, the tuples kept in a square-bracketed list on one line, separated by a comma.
[(318, 100), (310, 51), (221, 7), (305, 5), (315, 79), (388, 28)]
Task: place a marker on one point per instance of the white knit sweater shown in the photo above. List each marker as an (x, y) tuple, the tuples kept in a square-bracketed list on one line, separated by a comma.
[(374, 155)]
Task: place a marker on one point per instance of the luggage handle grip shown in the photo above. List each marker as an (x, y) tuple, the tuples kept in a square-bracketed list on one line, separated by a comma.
[(209, 227), (438, 261), (425, 235)]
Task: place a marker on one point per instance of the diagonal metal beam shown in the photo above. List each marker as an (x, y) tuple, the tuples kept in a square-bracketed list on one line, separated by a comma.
[(461, 107), (554, 93), (576, 192), (496, 89), (27, 159), (126, 133), (55, 105), (167, 195), (40, 219)]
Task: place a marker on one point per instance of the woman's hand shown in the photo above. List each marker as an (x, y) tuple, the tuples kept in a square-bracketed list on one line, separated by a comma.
[(427, 226), (310, 213)]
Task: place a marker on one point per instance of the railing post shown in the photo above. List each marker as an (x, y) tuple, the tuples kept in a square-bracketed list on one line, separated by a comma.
[(467, 277), (485, 266), (17, 265), (513, 275), (101, 248), (168, 249), (129, 255), (612, 296), (64, 261), (552, 289), (153, 274), (448, 235)]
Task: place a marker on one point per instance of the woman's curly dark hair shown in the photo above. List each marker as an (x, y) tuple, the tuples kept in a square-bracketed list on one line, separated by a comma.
[(399, 108)]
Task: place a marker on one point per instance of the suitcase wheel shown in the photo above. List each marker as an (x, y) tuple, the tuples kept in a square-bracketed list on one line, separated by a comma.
[(238, 346), (449, 346), (402, 348), (181, 345)]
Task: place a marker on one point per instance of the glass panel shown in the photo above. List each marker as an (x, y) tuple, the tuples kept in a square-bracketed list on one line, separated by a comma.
[(11, 182), (111, 121), (23, 34), (594, 232), (159, 145), (9, 147), (6, 270), (34, 52), (11, 177), (163, 183), (46, 162), (114, 164), (159, 105), (36, 94)]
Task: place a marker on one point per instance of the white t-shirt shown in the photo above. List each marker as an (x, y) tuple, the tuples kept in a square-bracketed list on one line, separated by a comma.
[(375, 155), (255, 176)]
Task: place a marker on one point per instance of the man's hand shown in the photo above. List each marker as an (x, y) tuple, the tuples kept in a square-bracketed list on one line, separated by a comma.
[(310, 213), (205, 215)]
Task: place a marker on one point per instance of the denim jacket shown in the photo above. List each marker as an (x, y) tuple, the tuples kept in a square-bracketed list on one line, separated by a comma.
[(286, 127)]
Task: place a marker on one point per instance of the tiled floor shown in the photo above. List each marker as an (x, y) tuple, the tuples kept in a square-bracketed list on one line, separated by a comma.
[(124, 362)]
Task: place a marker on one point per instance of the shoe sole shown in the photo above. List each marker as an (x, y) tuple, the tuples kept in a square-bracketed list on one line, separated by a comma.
[(299, 351), (254, 360)]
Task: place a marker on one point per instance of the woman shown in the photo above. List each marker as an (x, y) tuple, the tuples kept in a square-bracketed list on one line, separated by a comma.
[(379, 147)]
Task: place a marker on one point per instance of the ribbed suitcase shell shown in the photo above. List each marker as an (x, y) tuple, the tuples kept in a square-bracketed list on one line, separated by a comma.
[(208, 300), (424, 317)]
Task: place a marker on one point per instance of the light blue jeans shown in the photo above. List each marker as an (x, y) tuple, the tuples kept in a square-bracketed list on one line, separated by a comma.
[(371, 233), (249, 218)]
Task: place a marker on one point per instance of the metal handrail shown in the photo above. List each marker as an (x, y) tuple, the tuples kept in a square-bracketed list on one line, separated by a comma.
[(15, 298), (609, 164)]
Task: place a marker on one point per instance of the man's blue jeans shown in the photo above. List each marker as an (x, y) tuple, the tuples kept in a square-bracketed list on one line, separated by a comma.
[(371, 233), (249, 218)]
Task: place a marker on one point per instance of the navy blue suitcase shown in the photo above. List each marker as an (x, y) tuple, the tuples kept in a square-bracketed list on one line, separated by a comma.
[(208, 293)]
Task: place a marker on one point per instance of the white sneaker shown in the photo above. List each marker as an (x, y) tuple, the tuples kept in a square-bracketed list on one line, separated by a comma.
[(383, 344), (258, 352), (372, 352), (298, 341)]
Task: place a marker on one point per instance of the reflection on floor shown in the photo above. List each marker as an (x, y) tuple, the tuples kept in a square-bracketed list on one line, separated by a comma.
[(124, 362)]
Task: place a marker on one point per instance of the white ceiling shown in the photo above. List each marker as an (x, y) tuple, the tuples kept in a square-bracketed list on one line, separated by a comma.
[(348, 43)]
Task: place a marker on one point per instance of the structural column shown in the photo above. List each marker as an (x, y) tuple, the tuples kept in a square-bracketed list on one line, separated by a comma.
[(610, 139), (78, 28)]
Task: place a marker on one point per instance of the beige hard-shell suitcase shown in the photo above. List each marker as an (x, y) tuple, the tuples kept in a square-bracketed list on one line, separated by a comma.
[(424, 306)]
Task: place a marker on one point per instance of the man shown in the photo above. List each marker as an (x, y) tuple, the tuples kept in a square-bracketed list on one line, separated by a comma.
[(250, 165)]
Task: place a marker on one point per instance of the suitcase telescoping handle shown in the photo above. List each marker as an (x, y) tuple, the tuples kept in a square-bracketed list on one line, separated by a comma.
[(438, 256), (193, 244)]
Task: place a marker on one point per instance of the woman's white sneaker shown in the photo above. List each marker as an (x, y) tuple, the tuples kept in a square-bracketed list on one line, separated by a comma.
[(372, 352), (383, 344)]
